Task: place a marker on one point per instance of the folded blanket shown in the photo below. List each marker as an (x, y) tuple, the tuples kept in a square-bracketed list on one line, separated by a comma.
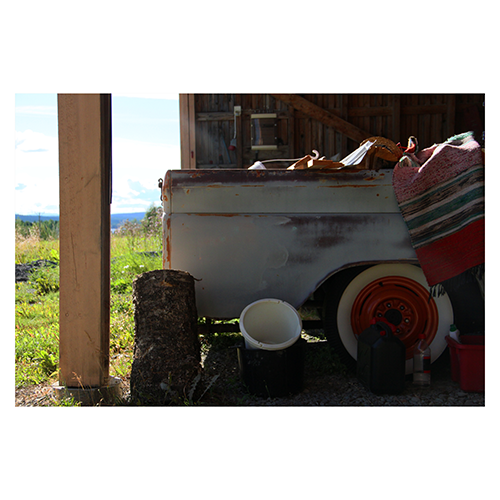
[(440, 192)]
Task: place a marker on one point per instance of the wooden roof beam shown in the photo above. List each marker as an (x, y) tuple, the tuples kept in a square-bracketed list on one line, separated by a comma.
[(323, 116)]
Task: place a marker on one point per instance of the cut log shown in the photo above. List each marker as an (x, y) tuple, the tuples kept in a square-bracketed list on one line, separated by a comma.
[(166, 347)]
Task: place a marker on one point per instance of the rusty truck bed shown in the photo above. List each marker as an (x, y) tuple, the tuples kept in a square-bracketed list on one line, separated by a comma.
[(252, 234)]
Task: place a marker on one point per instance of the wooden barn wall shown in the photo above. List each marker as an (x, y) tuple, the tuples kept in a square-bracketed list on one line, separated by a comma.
[(332, 124)]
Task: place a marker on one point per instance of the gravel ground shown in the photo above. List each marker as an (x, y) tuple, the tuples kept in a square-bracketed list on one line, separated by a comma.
[(319, 389), (334, 389)]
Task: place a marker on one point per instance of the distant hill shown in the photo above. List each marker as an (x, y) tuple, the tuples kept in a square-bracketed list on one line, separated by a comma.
[(36, 218), (116, 219)]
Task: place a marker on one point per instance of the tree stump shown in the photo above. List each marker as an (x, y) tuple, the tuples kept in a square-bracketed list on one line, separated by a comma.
[(166, 348)]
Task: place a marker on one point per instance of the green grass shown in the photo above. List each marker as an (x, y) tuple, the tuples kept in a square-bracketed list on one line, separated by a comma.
[(37, 303), (37, 337), (124, 268), (33, 248)]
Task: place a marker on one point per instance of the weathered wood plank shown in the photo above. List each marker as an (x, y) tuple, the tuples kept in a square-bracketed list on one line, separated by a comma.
[(214, 116), (450, 115), (375, 115), (239, 134), (344, 113), (85, 195), (323, 116), (192, 132), (396, 118), (188, 130)]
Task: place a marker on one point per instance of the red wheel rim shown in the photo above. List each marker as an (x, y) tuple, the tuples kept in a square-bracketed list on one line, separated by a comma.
[(403, 302)]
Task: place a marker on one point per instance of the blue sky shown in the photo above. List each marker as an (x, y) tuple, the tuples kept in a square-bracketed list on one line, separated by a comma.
[(146, 143)]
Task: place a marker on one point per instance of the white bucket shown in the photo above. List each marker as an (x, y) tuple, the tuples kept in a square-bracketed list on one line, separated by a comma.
[(270, 324)]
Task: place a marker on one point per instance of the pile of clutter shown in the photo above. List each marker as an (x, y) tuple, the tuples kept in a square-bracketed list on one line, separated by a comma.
[(362, 158)]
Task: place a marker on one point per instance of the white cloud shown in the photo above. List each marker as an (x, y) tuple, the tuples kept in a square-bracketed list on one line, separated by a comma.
[(36, 173), (137, 166), (37, 110), (29, 141)]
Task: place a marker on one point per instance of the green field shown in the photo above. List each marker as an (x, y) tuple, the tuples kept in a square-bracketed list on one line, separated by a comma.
[(135, 248)]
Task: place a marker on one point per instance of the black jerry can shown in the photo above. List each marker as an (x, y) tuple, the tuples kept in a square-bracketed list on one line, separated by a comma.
[(381, 360)]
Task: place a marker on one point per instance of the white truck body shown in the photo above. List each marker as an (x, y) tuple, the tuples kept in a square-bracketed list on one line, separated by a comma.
[(245, 235)]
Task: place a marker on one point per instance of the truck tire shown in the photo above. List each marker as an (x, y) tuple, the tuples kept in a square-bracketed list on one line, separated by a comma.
[(397, 292)]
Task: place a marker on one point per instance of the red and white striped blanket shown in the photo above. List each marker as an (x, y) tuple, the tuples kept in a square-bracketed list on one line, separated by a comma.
[(440, 192)]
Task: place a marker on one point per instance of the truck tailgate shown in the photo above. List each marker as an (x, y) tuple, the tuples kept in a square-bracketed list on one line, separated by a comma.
[(279, 191)]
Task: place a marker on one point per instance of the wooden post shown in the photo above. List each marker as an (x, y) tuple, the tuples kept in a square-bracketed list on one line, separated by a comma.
[(188, 131), (344, 114), (396, 119), (239, 134), (450, 115), (291, 131), (85, 197)]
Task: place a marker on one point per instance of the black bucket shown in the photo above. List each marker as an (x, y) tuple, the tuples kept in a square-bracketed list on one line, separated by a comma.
[(273, 373), (381, 360)]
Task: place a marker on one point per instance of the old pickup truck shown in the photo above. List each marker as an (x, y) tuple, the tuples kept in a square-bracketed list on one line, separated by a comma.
[(335, 238)]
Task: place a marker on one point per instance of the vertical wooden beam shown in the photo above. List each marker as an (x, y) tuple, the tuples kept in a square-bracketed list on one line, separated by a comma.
[(450, 115), (413, 121), (184, 129), (396, 119), (85, 197), (192, 132), (188, 131), (291, 131), (344, 113), (239, 132)]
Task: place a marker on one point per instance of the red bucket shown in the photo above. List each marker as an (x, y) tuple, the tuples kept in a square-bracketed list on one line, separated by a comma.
[(467, 362)]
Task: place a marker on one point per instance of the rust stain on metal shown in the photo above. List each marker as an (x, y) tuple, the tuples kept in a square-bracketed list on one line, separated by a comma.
[(168, 244), (165, 186), (195, 173), (352, 186), (217, 215), (374, 178)]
